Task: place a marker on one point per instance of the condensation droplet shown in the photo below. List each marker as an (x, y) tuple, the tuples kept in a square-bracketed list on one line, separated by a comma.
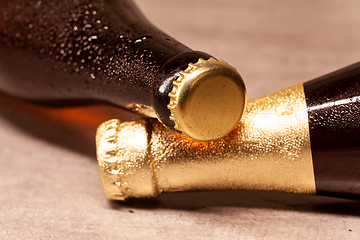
[(92, 38)]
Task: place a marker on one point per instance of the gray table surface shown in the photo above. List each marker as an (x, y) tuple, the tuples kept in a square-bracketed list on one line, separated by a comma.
[(49, 180)]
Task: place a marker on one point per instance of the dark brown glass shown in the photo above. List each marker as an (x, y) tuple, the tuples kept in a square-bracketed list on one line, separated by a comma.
[(89, 51), (333, 104)]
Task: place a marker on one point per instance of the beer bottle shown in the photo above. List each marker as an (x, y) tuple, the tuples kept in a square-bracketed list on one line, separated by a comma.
[(95, 51)]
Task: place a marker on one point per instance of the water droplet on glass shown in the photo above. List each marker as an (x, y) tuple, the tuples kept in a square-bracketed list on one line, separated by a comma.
[(92, 38)]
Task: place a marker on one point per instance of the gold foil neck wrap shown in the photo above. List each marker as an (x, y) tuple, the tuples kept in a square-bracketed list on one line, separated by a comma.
[(125, 166), (269, 150)]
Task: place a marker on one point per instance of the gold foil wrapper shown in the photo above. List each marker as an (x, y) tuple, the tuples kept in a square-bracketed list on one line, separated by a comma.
[(269, 150)]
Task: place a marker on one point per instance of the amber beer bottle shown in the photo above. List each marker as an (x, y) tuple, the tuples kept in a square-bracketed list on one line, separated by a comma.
[(95, 51), (302, 139)]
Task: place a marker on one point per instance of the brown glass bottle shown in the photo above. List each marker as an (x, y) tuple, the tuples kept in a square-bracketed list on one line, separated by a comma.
[(302, 139), (89, 51)]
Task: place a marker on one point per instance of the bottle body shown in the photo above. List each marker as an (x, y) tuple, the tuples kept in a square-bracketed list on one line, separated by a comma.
[(333, 104), (75, 50)]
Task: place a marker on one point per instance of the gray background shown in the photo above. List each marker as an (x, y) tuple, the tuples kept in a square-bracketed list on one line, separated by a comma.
[(49, 181)]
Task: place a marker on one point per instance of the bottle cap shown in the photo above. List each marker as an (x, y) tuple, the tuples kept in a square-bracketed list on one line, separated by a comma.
[(207, 100)]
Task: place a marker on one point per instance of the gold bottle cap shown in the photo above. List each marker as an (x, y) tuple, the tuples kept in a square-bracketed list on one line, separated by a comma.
[(207, 100)]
